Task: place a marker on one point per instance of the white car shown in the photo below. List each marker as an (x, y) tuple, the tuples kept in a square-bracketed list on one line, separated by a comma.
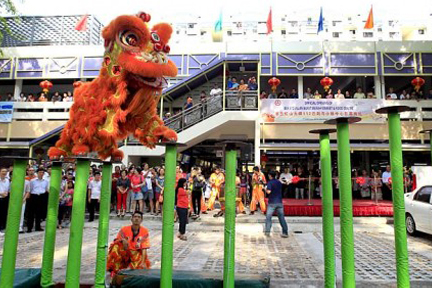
[(418, 210)]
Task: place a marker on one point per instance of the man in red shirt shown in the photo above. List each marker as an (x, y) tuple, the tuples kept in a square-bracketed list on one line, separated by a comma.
[(129, 249)]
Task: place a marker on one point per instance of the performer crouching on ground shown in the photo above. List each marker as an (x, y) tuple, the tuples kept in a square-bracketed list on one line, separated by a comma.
[(129, 249)]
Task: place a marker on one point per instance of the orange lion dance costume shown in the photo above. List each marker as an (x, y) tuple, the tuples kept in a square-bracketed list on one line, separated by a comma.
[(123, 99)]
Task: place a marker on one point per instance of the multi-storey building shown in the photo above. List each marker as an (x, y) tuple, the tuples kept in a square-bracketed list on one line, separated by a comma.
[(392, 56)]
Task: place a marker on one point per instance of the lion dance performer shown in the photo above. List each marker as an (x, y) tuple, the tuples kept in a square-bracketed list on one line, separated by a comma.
[(123, 99), (216, 180), (129, 249), (258, 182)]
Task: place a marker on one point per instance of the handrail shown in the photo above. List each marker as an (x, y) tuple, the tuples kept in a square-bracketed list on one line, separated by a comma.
[(245, 100)]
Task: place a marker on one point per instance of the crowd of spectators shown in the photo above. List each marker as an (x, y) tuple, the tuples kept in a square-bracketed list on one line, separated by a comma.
[(141, 188), (40, 97)]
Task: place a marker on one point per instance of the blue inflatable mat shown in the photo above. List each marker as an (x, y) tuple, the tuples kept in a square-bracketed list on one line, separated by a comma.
[(188, 279), (27, 278)]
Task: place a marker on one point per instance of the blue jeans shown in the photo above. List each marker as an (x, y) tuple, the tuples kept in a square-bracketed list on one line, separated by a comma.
[(271, 208)]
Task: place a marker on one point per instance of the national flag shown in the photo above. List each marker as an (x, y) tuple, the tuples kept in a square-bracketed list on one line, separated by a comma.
[(82, 23), (320, 22), (269, 23), (369, 22), (218, 24)]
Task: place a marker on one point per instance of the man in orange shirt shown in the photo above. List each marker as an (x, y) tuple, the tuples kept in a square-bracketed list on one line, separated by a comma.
[(129, 249), (216, 181), (258, 183)]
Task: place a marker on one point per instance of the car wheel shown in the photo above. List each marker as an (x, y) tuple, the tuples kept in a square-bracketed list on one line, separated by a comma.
[(410, 225)]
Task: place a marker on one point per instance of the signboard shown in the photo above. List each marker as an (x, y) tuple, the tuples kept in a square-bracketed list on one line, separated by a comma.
[(303, 110), (6, 112)]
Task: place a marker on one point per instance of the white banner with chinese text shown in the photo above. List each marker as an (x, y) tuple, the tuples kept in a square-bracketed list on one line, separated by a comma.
[(302, 110)]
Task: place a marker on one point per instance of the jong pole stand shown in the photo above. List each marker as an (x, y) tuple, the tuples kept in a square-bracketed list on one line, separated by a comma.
[(10, 243), (345, 188), (327, 205), (168, 213), (396, 160)]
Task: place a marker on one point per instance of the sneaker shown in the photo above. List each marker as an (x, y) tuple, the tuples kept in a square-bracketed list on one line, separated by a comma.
[(2, 234), (252, 213), (284, 235)]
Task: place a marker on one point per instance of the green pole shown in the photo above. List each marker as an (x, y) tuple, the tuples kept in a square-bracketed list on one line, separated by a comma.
[(346, 214), (230, 214), (104, 213), (168, 216), (402, 265), (12, 226), (77, 224), (327, 214), (51, 225)]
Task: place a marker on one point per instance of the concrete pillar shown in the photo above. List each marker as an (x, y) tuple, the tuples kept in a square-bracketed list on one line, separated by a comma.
[(383, 87), (300, 86), (257, 143), (18, 88), (377, 84)]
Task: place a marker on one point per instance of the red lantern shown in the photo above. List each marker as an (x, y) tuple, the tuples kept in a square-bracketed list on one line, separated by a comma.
[(46, 86), (326, 82), (360, 180), (274, 82), (295, 179), (417, 83)]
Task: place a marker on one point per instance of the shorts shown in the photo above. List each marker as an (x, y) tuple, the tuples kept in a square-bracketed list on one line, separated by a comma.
[(148, 195), (137, 196), (157, 195)]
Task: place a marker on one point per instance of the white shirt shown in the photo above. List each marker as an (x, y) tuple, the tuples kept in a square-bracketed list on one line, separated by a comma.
[(26, 187), (148, 179), (385, 177), (285, 177), (339, 96), (95, 187), (4, 187), (393, 96), (216, 92), (38, 187)]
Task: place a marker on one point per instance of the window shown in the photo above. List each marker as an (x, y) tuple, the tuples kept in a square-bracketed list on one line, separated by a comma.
[(390, 23), (421, 31), (191, 25), (379, 29), (367, 34), (424, 194), (283, 32), (352, 32), (393, 34), (229, 33), (336, 34)]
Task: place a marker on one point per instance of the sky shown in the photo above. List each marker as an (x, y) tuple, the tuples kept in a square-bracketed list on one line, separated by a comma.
[(105, 10)]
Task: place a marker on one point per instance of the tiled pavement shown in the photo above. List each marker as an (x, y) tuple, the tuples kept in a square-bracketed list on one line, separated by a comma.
[(293, 262)]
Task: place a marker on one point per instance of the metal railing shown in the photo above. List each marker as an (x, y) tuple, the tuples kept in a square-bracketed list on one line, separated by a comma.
[(243, 101)]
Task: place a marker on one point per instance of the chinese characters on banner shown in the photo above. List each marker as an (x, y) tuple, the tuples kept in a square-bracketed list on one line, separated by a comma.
[(302, 110), (6, 112)]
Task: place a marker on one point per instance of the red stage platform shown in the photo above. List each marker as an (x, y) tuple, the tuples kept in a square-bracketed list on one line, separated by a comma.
[(300, 207)]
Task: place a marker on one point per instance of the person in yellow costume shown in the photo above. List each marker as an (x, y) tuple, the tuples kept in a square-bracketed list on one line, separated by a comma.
[(258, 183), (216, 181), (239, 203)]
